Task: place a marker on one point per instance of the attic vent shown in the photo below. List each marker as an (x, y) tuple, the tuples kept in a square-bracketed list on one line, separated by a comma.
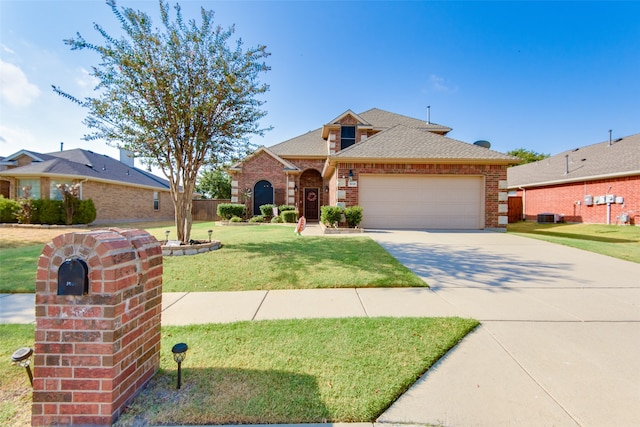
[(575, 149), (482, 143), (89, 165), (618, 140)]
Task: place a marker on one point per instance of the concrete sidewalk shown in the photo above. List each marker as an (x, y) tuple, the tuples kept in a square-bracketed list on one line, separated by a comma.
[(558, 344)]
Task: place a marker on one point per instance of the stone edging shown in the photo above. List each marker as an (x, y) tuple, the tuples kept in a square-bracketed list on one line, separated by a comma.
[(339, 230), (190, 249)]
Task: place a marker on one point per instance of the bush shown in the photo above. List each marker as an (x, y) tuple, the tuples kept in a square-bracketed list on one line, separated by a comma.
[(353, 215), (48, 212), (289, 216), (229, 210), (267, 210), (276, 220), (284, 208), (330, 215), (257, 218), (235, 219), (8, 210), (86, 212)]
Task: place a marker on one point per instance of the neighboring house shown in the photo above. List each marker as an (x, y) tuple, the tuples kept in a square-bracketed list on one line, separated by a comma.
[(119, 191), (598, 183), (403, 171)]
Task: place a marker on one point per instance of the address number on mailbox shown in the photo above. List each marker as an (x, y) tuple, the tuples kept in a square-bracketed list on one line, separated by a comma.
[(73, 278)]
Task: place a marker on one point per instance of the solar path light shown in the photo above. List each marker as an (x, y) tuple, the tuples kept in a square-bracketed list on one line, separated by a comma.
[(22, 357), (179, 353), (210, 232)]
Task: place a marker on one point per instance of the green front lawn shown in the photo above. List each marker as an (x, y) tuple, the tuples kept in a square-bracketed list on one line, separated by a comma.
[(251, 257), (284, 371), (616, 241)]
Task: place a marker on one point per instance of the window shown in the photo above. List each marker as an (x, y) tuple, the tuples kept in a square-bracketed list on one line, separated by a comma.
[(33, 183), (347, 136), (54, 194), (156, 201)]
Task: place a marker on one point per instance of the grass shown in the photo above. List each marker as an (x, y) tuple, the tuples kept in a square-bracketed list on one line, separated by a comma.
[(15, 390), (621, 242), (283, 371), (252, 257)]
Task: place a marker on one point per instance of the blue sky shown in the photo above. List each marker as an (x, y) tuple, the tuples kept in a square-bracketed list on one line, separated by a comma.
[(546, 76)]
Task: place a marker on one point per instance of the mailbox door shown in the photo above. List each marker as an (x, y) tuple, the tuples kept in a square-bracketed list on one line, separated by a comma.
[(73, 277)]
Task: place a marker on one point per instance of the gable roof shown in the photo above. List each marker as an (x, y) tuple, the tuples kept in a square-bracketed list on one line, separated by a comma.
[(404, 143), (314, 144), (83, 164), (288, 166), (597, 161)]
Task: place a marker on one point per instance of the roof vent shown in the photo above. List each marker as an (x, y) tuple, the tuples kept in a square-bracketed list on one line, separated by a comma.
[(482, 143)]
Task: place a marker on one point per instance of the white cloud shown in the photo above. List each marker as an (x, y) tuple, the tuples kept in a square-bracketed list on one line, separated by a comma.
[(15, 139), (439, 84), (86, 80), (7, 48), (15, 87)]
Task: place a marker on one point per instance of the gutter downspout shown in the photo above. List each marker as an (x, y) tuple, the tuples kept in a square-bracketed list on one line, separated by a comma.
[(524, 203)]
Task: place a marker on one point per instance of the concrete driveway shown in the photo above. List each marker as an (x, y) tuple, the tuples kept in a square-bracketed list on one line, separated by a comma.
[(559, 343)]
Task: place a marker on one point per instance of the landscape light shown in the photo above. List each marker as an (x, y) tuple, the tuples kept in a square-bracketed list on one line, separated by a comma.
[(22, 357), (179, 353)]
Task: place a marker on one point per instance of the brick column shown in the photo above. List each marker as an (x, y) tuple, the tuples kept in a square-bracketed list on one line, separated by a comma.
[(95, 352)]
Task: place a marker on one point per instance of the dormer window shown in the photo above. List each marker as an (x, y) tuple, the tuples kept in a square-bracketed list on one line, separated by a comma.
[(347, 136)]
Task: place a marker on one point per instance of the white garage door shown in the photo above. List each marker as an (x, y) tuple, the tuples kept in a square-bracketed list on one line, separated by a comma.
[(437, 202)]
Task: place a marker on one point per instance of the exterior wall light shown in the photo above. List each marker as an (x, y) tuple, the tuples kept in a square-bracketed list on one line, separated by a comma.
[(295, 188), (326, 188), (179, 353), (22, 357), (209, 232), (350, 174)]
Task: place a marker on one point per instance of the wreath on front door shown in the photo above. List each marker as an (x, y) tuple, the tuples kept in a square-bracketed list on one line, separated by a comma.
[(312, 197)]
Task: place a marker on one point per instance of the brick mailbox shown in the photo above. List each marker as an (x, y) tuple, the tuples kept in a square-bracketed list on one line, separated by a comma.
[(97, 339)]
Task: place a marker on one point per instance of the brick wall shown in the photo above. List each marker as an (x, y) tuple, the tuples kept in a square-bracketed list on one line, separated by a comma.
[(95, 352), (568, 200), (119, 203)]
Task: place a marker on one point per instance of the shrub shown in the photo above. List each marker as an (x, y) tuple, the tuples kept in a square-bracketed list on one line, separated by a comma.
[(25, 214), (330, 215), (8, 210), (289, 216), (353, 215), (276, 220), (267, 210), (229, 210), (86, 212), (235, 219), (257, 218), (47, 212), (286, 208)]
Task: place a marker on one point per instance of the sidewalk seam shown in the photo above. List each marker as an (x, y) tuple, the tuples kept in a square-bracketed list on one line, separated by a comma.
[(260, 305)]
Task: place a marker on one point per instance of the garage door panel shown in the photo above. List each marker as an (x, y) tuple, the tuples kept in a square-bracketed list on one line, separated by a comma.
[(401, 201)]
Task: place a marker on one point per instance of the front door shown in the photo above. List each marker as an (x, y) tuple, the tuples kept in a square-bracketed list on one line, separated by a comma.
[(262, 195), (311, 204)]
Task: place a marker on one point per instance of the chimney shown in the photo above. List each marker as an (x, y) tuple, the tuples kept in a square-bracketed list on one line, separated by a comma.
[(126, 157), (61, 146)]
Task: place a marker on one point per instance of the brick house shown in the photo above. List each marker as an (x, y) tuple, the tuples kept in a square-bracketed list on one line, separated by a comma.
[(597, 183), (404, 172), (120, 191)]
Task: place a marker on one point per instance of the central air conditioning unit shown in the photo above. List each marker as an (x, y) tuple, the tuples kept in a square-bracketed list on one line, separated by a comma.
[(548, 218)]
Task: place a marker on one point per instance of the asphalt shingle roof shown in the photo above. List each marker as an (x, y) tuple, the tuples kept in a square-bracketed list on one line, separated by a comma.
[(595, 161), (405, 143), (87, 164), (311, 144)]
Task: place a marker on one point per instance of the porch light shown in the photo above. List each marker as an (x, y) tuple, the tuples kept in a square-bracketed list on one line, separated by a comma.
[(209, 232), (326, 188), (350, 174), (179, 353), (22, 357), (295, 188)]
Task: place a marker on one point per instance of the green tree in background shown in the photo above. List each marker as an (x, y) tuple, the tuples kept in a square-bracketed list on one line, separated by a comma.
[(178, 97), (214, 184), (527, 156)]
